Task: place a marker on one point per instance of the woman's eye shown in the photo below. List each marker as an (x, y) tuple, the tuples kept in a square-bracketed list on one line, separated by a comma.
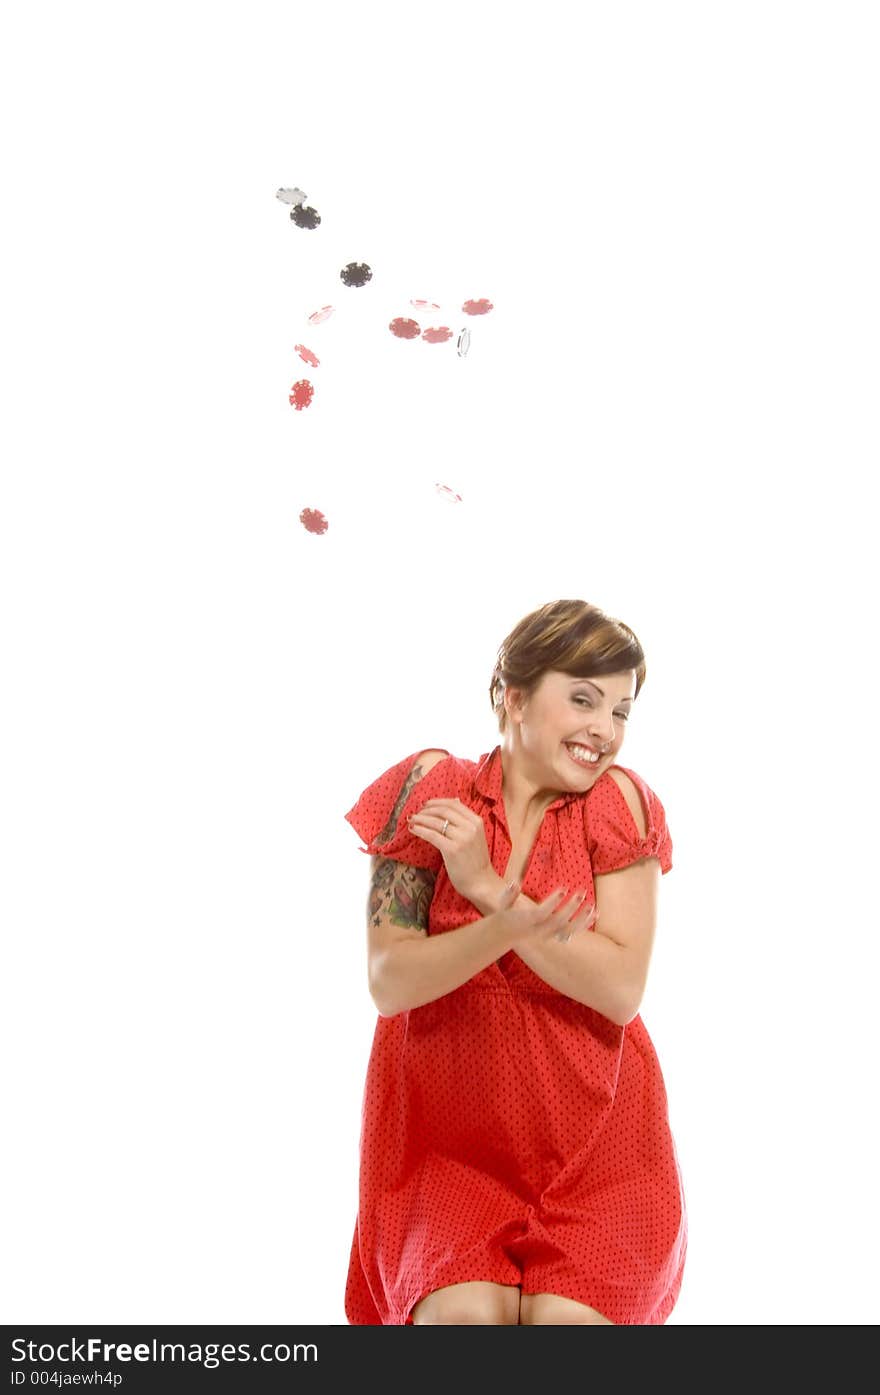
[(624, 716)]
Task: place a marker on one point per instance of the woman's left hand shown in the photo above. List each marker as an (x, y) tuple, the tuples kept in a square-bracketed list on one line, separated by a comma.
[(459, 835)]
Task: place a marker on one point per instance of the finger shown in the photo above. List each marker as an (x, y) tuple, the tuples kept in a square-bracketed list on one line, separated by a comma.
[(449, 807), (430, 835), (566, 912), (578, 904), (585, 917), (441, 822), (580, 921), (442, 809), (552, 901), (438, 814)]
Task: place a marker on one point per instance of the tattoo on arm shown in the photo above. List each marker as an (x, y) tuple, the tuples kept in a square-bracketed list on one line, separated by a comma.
[(412, 778), (401, 892)]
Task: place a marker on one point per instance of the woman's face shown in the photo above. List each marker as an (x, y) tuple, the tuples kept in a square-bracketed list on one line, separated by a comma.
[(570, 729)]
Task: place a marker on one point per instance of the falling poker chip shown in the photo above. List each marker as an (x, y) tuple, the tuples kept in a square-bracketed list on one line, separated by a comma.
[(355, 274), (318, 317), (305, 217), (291, 196), (301, 394), (313, 521), (439, 335), (464, 342), (447, 493), (306, 355), (477, 307), (425, 304), (404, 328)]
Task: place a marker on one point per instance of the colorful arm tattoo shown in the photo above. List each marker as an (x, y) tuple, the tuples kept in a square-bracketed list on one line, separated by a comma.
[(402, 893)]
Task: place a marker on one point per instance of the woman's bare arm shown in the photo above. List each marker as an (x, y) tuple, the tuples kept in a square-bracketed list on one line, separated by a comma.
[(605, 969), (407, 967)]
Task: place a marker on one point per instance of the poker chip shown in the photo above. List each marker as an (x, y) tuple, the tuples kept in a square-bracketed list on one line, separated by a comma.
[(306, 355), (301, 394), (319, 316), (291, 196), (464, 342), (477, 307), (425, 304), (313, 521), (438, 335), (305, 217), (447, 493), (405, 329), (355, 274)]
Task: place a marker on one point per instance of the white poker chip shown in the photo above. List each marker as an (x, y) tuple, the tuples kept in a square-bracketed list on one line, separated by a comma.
[(464, 342), (291, 196), (447, 493)]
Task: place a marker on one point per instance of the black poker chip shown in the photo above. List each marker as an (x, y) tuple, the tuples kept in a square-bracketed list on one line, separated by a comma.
[(305, 217), (355, 274)]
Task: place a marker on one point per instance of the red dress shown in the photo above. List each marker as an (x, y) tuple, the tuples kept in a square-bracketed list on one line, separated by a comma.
[(508, 1132)]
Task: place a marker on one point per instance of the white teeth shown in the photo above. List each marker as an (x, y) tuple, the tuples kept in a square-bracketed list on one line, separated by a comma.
[(582, 753)]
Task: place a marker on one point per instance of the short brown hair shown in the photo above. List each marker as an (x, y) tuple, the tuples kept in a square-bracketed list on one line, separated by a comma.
[(571, 637)]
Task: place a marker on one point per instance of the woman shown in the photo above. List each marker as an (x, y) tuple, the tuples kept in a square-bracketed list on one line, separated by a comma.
[(516, 1160)]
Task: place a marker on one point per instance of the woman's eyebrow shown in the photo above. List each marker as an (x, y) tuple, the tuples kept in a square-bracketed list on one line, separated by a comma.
[(599, 690)]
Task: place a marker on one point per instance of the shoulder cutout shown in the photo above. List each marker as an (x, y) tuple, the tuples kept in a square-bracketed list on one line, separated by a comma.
[(632, 797), (426, 760)]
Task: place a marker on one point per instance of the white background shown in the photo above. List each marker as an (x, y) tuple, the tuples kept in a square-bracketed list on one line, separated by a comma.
[(671, 412)]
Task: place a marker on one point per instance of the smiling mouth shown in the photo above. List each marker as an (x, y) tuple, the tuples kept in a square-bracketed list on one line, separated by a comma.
[(582, 755)]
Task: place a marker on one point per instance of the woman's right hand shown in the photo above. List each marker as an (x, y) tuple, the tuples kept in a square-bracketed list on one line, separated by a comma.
[(558, 917)]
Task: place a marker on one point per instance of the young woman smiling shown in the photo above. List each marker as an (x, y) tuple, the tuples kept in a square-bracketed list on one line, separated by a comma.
[(516, 1160)]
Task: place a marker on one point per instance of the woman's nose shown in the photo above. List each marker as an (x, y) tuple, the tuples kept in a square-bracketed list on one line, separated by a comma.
[(602, 731)]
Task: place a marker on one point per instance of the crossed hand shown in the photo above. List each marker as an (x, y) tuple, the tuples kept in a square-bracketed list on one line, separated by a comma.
[(459, 836)]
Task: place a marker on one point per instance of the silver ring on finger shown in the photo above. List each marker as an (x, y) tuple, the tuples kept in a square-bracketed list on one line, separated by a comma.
[(444, 828)]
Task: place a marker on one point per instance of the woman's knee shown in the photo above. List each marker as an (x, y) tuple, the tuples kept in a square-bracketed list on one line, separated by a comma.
[(476, 1302), (540, 1308)]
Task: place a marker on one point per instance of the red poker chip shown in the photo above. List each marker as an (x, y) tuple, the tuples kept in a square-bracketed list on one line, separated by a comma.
[(447, 493), (438, 335), (313, 521), (306, 355), (301, 394), (405, 329), (477, 307), (425, 304), (319, 316)]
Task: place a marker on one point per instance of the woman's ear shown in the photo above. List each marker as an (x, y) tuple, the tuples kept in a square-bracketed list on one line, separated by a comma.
[(514, 703)]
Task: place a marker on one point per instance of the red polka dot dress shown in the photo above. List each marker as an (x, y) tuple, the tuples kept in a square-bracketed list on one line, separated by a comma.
[(508, 1132)]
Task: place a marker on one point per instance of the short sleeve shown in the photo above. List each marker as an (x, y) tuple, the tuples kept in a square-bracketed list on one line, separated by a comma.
[(381, 811), (613, 840)]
